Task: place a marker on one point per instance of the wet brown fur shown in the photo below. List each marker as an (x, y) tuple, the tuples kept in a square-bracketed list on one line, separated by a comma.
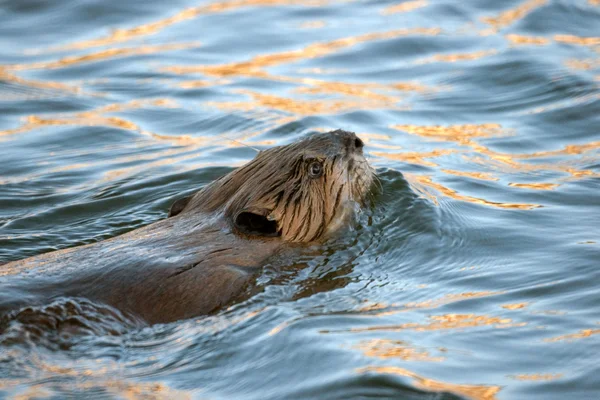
[(276, 184), (206, 253)]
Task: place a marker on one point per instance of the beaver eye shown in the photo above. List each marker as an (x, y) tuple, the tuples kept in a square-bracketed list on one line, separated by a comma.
[(315, 169)]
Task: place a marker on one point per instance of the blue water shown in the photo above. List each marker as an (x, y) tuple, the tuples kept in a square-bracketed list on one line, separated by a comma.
[(479, 275)]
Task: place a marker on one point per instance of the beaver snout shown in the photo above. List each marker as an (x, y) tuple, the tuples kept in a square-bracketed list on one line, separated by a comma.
[(358, 144), (351, 142)]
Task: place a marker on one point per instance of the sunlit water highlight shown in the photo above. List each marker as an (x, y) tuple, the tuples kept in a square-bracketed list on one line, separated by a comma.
[(478, 274)]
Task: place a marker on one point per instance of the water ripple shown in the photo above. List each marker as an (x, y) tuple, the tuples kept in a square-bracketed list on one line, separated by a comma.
[(475, 274)]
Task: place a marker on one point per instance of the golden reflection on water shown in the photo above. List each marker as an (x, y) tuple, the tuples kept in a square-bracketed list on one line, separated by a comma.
[(167, 157), (7, 76), (536, 377), (521, 39), (405, 7), (395, 349), (199, 83), (474, 392), (354, 95), (7, 72), (318, 24), (450, 298), (346, 97), (513, 15), (586, 65), (417, 158), (452, 58), (446, 322), (581, 41), (584, 333), (465, 135), (186, 146), (572, 149), (255, 66), (383, 310), (297, 106), (116, 387), (362, 90), (124, 35), (97, 374), (455, 133), (515, 306), (592, 42), (94, 117), (535, 186), (484, 176), (426, 181), (104, 55), (413, 87), (34, 122), (30, 392)]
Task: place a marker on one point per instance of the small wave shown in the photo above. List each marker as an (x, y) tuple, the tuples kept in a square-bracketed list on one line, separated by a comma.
[(62, 323)]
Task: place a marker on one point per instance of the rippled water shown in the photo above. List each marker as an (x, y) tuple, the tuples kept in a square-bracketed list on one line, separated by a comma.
[(479, 276)]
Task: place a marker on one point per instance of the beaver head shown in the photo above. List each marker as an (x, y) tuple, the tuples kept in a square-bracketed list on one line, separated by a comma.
[(296, 192)]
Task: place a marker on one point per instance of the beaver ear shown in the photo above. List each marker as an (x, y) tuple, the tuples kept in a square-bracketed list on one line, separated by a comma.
[(178, 206), (256, 222)]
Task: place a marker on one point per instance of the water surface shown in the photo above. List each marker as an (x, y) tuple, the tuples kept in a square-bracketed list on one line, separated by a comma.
[(478, 276)]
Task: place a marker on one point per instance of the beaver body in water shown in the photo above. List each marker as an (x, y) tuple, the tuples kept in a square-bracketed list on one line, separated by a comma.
[(213, 243)]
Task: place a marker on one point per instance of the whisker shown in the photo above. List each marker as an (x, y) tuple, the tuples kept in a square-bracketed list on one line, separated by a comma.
[(373, 175), (238, 142), (377, 180)]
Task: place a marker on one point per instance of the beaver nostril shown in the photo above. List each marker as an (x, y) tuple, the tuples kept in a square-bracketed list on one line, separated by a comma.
[(358, 144)]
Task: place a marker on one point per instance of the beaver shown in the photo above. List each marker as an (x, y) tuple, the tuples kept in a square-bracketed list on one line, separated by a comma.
[(207, 251)]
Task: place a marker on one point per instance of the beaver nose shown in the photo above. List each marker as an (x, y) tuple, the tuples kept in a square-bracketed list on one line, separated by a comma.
[(354, 143), (358, 144)]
